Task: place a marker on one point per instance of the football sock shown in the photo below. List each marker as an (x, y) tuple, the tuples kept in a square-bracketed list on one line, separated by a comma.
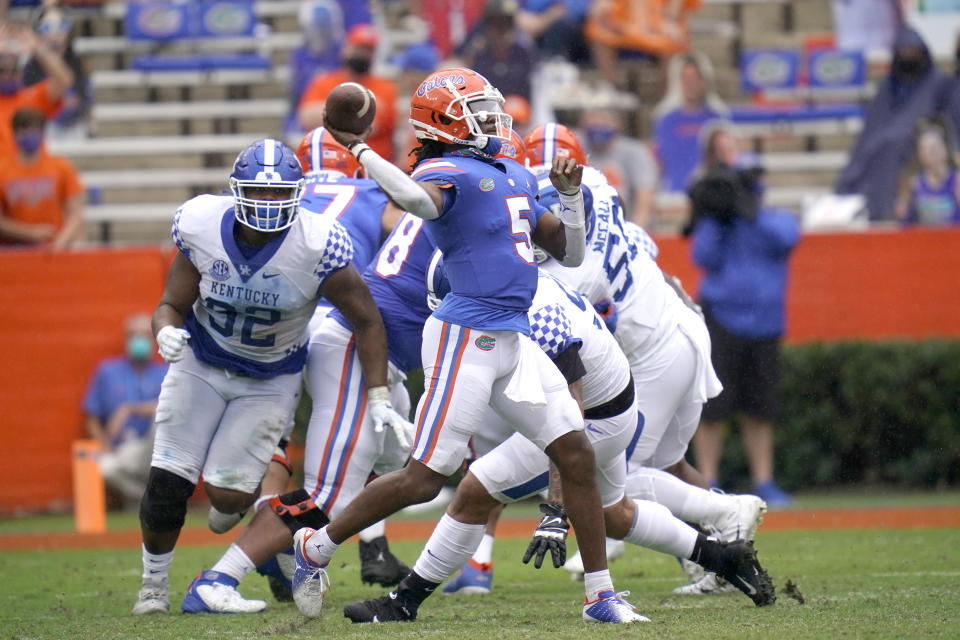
[(450, 545), (373, 532), (654, 527), (595, 582), (413, 590), (685, 501), (484, 553), (321, 548), (156, 566), (235, 563)]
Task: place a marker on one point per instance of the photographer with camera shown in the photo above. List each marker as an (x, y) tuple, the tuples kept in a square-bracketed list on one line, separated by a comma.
[(743, 249)]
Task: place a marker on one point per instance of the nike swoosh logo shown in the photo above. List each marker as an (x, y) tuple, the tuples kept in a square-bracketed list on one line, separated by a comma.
[(750, 588), (590, 427), (551, 522), (270, 275)]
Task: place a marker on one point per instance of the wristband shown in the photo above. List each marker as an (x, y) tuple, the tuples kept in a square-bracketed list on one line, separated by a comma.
[(378, 395)]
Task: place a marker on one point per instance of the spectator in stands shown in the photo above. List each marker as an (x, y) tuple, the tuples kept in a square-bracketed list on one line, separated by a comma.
[(356, 59), (18, 43), (691, 101), (500, 51), (119, 406), (54, 29), (321, 23), (556, 26), (626, 162), (931, 191), (414, 63), (743, 249), (651, 28), (41, 197), (914, 89)]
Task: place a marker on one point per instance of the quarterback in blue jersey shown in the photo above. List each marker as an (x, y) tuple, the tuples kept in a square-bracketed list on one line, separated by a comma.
[(476, 348), (335, 187), (342, 449), (232, 322)]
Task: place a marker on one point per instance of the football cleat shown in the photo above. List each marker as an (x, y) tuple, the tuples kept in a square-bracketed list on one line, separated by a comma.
[(386, 608), (574, 564), (378, 565), (710, 584), (611, 607), (474, 579), (215, 592), (153, 598), (220, 522), (310, 582), (741, 520), (278, 571), (742, 570)]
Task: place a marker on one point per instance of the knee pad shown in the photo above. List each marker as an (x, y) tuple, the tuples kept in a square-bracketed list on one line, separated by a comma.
[(297, 510), (164, 504)]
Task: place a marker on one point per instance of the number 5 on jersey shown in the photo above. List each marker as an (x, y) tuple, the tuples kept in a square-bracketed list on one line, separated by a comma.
[(521, 223)]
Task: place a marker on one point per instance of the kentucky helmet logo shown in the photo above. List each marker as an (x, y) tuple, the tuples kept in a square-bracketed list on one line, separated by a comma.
[(220, 270)]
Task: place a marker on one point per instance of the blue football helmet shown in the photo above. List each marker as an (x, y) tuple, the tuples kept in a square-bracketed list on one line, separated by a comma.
[(550, 199), (268, 164)]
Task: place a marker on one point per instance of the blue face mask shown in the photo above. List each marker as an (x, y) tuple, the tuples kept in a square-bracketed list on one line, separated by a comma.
[(600, 136), (138, 348), (29, 141)]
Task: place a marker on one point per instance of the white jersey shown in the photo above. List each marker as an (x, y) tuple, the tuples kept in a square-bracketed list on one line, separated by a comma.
[(560, 317), (615, 268), (252, 312)]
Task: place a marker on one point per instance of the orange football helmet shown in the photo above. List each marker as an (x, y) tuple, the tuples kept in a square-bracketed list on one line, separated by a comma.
[(513, 148), (459, 106), (549, 140), (318, 151)]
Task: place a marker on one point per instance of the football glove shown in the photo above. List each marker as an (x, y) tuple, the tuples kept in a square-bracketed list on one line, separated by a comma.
[(608, 313), (378, 400), (171, 341), (551, 535)]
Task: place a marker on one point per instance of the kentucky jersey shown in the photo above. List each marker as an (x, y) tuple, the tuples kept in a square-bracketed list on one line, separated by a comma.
[(484, 232), (357, 204), (615, 268), (559, 317), (397, 281), (252, 311)]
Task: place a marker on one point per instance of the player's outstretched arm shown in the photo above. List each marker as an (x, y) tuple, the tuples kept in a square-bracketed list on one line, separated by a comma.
[(564, 236), (179, 293), (422, 199), (347, 291)]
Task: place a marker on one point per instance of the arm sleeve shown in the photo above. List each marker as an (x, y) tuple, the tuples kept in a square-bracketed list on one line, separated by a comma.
[(551, 330), (780, 230), (569, 363), (707, 249), (400, 187), (337, 253)]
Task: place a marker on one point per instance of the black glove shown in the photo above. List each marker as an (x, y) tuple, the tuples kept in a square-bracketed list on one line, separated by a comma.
[(551, 534)]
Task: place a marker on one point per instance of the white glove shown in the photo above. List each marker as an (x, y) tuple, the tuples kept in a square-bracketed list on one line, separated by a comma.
[(378, 403), (171, 341)]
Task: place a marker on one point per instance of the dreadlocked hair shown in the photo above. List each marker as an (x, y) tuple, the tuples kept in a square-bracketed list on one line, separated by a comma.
[(428, 149)]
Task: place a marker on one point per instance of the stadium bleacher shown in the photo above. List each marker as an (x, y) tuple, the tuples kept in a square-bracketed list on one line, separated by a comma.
[(173, 130)]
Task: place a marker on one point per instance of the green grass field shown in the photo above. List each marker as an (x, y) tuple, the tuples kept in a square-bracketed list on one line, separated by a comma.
[(876, 584)]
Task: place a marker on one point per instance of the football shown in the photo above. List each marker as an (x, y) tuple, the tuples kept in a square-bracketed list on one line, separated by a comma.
[(350, 107)]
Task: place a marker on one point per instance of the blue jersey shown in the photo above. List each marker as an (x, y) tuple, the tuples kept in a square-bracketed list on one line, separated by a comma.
[(484, 232), (357, 204), (397, 281)]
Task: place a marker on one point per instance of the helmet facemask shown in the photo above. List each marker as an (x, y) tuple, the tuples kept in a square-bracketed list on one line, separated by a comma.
[(263, 214)]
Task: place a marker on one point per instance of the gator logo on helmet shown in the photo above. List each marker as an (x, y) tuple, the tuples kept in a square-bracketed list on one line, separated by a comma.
[(433, 83)]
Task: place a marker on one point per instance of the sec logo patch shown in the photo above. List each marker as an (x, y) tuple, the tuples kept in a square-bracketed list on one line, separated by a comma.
[(485, 343)]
